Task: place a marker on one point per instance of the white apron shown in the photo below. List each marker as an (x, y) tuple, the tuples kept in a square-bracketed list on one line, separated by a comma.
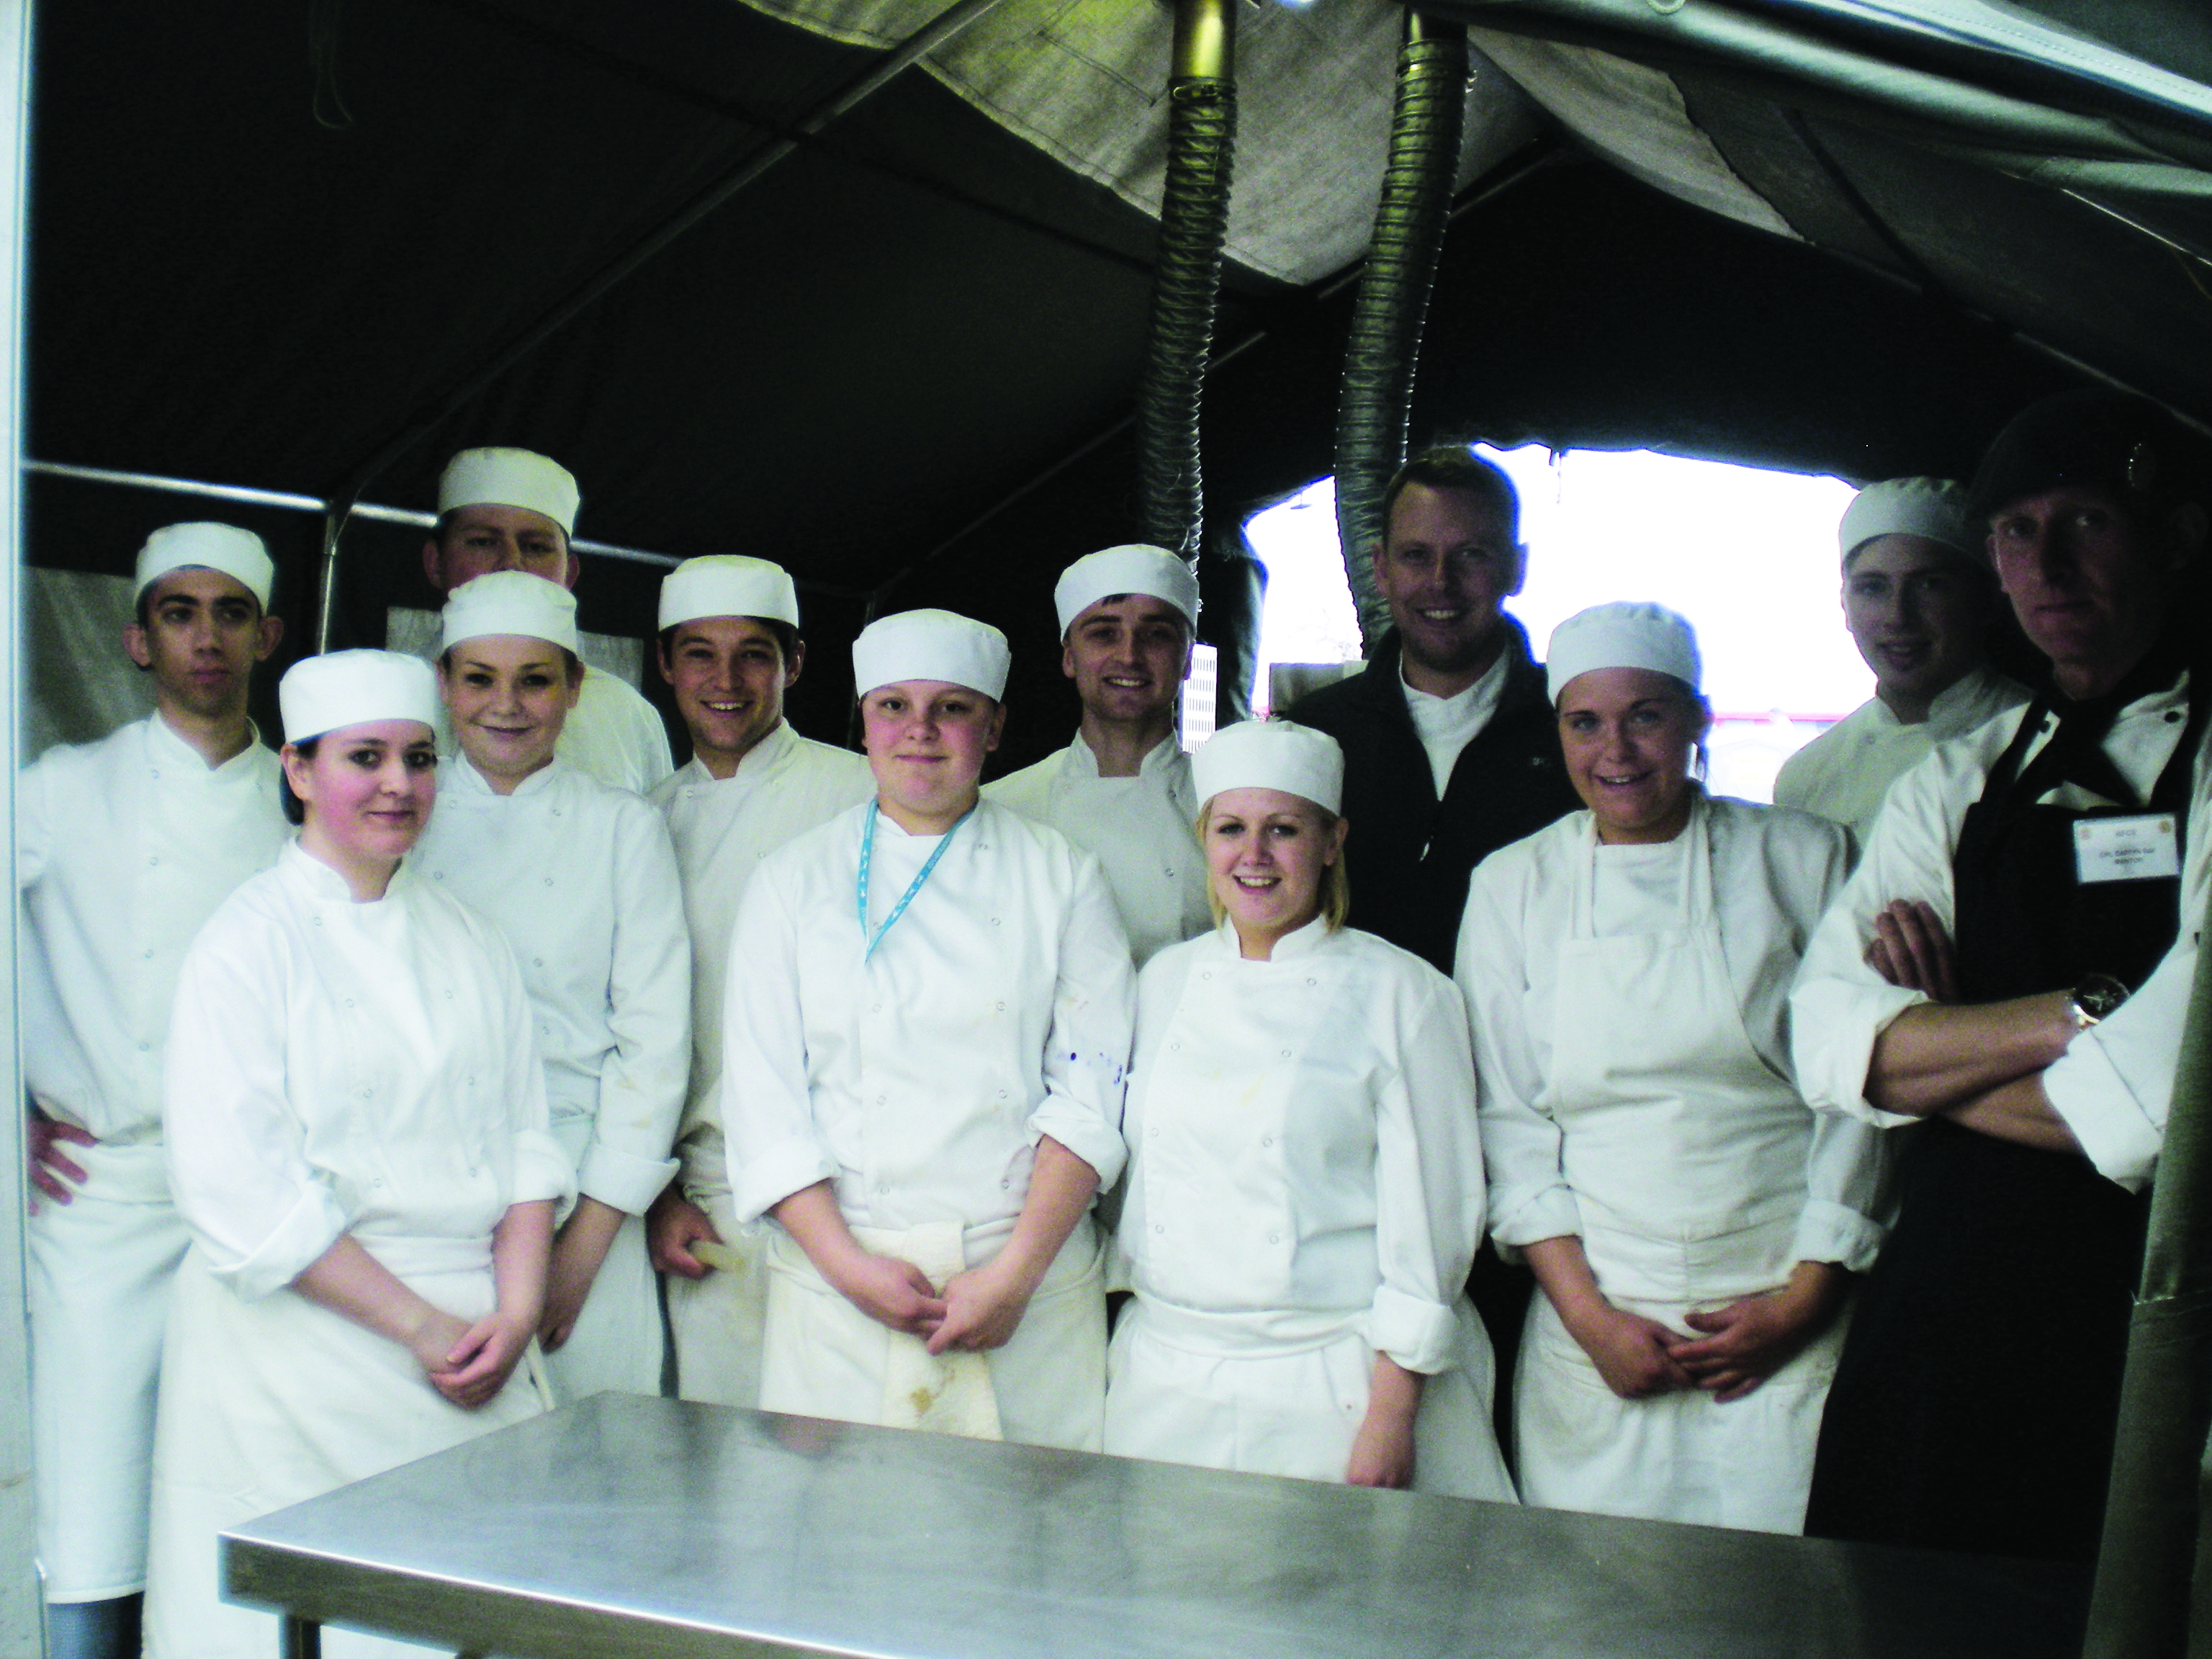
[(716, 1322), (1686, 1156), (268, 1403), (616, 1342), (1218, 1390), (100, 1267), (823, 1358)]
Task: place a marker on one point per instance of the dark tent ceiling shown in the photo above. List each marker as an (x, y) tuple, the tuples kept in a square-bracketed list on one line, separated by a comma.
[(275, 238)]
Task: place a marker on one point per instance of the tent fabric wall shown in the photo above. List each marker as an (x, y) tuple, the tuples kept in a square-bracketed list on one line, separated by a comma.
[(1087, 84)]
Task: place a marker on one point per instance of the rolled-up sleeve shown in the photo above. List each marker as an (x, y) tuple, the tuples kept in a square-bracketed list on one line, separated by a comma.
[(2114, 1085), (1429, 1178), (642, 1084), (1529, 1199), (1086, 1056), (763, 1110), (238, 1169)]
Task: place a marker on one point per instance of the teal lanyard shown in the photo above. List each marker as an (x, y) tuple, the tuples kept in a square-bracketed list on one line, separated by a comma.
[(867, 856)]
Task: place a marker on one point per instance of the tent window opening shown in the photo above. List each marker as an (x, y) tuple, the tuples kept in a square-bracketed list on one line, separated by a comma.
[(1748, 556)]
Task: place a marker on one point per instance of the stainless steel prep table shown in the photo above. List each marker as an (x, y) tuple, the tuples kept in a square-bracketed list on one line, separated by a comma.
[(634, 1526)]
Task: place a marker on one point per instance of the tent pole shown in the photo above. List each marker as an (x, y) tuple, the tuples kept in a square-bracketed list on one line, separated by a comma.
[(699, 206), (2153, 1524), (1186, 273), (326, 597), (1384, 343)]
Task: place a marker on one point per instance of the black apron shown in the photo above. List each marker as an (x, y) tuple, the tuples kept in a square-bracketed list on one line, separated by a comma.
[(1975, 1402)]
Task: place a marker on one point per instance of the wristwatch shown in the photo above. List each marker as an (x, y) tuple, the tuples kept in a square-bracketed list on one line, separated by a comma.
[(2095, 998)]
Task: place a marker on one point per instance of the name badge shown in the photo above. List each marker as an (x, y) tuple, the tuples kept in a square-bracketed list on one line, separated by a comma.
[(2125, 850)]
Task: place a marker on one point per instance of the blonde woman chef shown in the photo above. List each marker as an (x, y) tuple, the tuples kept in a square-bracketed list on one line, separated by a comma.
[(581, 879), (923, 1056), (1304, 1192), (359, 1144), (1691, 1222)]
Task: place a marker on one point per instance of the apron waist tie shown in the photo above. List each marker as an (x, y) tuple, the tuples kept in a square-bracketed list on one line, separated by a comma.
[(1270, 1334), (411, 1257)]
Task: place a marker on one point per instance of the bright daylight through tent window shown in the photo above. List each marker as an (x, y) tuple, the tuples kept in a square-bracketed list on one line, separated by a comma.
[(1749, 556)]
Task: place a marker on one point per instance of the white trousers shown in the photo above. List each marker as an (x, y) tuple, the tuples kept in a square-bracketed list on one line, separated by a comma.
[(268, 1403), (1677, 1456), (1198, 1390), (616, 1342), (824, 1358), (99, 1273), (717, 1322)]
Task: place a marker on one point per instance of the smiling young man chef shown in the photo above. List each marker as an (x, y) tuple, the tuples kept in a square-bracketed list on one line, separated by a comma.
[(1919, 601), (1122, 790), (729, 649), (124, 846), (515, 509)]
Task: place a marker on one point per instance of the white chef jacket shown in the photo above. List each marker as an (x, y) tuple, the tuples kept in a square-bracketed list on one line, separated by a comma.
[(1840, 1005), (997, 1010), (1302, 1141), (1141, 829), (1448, 725), (722, 829), (124, 848), (1773, 870), (338, 1067), (581, 880), (612, 734), (1843, 773)]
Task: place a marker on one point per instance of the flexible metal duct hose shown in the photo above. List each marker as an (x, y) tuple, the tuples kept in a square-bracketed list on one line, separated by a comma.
[(1187, 272), (1385, 341)]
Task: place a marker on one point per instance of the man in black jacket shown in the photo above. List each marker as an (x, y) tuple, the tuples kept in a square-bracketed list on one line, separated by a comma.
[(1449, 746)]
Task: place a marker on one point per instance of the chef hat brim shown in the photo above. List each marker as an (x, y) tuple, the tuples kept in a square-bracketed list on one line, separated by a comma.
[(932, 645), (238, 554), (1271, 755), (1134, 568), (341, 688)]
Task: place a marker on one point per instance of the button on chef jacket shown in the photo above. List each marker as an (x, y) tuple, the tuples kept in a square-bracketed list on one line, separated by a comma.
[(1141, 829), (1304, 1140), (1840, 1005), (996, 1011), (581, 880), (352, 1068), (1843, 773), (1771, 871), (723, 828), (123, 848)]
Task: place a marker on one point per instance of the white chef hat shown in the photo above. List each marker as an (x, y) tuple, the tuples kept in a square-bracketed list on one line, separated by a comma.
[(931, 645), (509, 478), (1933, 509), (1134, 568), (727, 585), (1271, 755), (1625, 634), (351, 687), (510, 602), (237, 553)]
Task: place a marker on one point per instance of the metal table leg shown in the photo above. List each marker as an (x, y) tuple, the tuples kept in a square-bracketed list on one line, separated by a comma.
[(302, 1639)]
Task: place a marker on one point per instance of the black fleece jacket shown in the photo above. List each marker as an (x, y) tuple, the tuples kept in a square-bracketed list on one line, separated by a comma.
[(1409, 854)]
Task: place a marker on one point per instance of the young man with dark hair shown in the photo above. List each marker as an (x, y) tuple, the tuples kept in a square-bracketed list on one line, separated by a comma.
[(1121, 790), (124, 848), (729, 649)]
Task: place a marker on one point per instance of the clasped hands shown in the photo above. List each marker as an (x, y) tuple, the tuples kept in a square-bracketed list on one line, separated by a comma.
[(1739, 1347), (976, 1310)]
